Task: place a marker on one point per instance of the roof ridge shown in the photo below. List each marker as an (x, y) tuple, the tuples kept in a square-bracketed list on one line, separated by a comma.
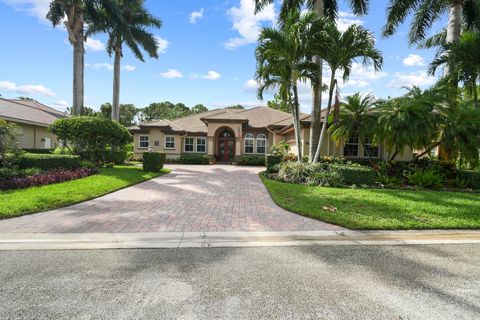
[(19, 102), (196, 114)]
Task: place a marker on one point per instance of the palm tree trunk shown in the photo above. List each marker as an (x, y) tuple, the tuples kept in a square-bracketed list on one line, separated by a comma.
[(454, 27), (116, 85), (324, 125), (393, 155), (296, 122), (78, 73), (427, 150), (475, 94), (316, 121)]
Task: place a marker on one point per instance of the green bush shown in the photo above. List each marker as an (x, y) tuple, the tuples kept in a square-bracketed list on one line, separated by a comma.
[(194, 158), (40, 151), (153, 161), (49, 161), (61, 150), (14, 172), (471, 178), (354, 174), (251, 160), (427, 178), (272, 162), (117, 157), (90, 137)]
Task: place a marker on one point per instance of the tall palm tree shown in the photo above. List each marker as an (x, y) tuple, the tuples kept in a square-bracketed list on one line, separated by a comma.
[(323, 8), (340, 51), (284, 58), (77, 12), (131, 30), (427, 12), (356, 117)]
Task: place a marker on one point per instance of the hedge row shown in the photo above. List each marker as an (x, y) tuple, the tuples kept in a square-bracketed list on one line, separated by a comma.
[(251, 160), (153, 161), (49, 161), (193, 158)]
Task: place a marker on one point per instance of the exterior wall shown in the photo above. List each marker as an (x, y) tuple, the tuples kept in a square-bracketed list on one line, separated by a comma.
[(156, 140), (212, 130), (33, 137), (257, 132)]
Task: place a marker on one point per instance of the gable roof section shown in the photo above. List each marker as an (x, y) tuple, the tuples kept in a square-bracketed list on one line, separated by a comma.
[(29, 112)]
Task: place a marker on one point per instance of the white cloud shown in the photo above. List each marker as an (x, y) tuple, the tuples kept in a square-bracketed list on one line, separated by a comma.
[(128, 68), (419, 78), (247, 23), (94, 45), (362, 76), (250, 85), (35, 8), (346, 19), (211, 75), (26, 88), (413, 60), (171, 74), (109, 67), (195, 15), (162, 44)]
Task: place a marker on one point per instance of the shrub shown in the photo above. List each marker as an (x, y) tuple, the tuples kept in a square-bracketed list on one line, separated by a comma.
[(8, 144), (294, 172), (40, 151), (354, 174), (471, 178), (333, 159), (117, 157), (428, 178), (91, 137), (44, 178), (281, 149), (49, 161), (389, 182), (15, 172), (325, 177), (61, 150), (153, 161), (272, 162), (194, 159), (251, 160)]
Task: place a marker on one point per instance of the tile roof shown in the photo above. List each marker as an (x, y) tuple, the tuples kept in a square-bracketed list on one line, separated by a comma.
[(25, 111)]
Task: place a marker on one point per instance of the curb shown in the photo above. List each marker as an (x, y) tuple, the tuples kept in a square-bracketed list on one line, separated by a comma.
[(164, 240)]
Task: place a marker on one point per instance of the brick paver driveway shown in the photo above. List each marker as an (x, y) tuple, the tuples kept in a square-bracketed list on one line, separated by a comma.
[(191, 198)]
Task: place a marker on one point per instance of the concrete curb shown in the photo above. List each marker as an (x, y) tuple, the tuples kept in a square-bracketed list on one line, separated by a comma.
[(85, 241)]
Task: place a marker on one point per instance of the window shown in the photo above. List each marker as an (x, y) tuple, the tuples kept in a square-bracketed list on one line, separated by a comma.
[(188, 145), (370, 149), (351, 147), (201, 144), (143, 142), (249, 142), (261, 143), (169, 142)]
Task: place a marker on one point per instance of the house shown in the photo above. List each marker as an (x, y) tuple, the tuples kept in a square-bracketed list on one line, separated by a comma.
[(224, 134), (31, 119)]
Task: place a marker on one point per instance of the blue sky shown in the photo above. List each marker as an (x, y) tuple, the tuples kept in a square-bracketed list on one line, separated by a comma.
[(206, 56)]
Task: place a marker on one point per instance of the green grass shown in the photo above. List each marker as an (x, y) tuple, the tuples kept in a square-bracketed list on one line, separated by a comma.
[(379, 208), (15, 203)]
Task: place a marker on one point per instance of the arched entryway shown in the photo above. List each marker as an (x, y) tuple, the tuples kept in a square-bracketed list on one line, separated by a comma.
[(225, 146)]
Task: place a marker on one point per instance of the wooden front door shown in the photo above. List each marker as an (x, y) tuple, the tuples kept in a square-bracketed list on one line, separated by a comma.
[(226, 146)]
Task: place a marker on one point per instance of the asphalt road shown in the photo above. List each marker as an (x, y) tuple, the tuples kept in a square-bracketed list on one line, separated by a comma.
[(308, 282)]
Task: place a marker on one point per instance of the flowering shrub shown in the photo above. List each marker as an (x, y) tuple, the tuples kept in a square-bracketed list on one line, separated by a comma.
[(44, 178)]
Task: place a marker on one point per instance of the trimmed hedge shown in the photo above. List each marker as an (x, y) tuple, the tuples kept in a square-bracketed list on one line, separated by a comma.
[(354, 174), (39, 151), (194, 158), (471, 178), (272, 162), (153, 161), (117, 157), (251, 160), (49, 161)]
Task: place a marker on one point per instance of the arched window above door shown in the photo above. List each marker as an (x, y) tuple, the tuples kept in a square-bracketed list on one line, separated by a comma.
[(226, 134)]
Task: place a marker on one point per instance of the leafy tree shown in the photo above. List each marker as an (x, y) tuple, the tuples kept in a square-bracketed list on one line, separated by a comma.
[(128, 113), (284, 58), (131, 30), (323, 8), (8, 142), (26, 98), (164, 110), (199, 108), (237, 106), (278, 104), (339, 52)]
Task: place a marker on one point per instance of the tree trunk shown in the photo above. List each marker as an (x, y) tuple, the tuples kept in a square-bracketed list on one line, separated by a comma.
[(393, 155), (116, 84), (475, 94), (454, 27), (316, 121), (296, 122), (78, 74), (329, 107), (429, 149)]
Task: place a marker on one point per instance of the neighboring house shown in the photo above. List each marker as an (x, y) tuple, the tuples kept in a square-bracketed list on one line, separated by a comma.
[(31, 119), (224, 134)]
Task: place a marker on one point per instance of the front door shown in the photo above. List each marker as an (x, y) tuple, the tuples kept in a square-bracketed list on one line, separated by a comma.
[(226, 146)]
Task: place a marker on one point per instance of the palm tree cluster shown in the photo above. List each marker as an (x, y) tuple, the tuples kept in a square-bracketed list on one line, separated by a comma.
[(125, 21)]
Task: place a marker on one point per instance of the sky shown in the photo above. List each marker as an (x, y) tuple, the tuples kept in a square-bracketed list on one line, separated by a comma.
[(206, 55)]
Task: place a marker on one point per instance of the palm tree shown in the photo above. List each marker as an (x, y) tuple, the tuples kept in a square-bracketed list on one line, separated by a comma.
[(342, 49), (356, 117), (131, 30), (463, 62), (284, 58), (427, 12), (323, 8)]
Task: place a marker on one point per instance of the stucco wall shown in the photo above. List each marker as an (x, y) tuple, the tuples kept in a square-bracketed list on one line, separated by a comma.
[(33, 137), (157, 143)]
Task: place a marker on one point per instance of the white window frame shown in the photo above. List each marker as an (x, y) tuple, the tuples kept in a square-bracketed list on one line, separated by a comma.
[(140, 141), (249, 137), (261, 137), (353, 144), (204, 144), (192, 144), (174, 143), (371, 145)]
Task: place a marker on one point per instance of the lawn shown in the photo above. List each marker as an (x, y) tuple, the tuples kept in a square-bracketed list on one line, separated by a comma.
[(379, 208), (15, 203)]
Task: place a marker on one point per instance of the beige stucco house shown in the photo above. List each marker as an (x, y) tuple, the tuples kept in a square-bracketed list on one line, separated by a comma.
[(224, 134), (31, 119)]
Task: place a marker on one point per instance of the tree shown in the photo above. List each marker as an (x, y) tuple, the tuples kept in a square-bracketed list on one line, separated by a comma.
[(128, 113), (323, 8), (278, 104), (339, 52), (164, 110), (26, 98), (284, 58), (357, 117), (199, 108), (237, 106), (8, 142), (131, 30)]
